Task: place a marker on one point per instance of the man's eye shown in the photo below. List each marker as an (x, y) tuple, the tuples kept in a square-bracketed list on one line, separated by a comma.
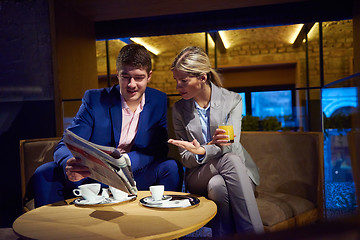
[(139, 79)]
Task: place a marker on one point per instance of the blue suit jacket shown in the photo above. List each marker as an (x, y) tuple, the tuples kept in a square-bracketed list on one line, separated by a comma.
[(99, 120)]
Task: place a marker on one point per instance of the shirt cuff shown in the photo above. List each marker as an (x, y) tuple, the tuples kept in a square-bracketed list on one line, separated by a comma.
[(127, 159), (199, 158)]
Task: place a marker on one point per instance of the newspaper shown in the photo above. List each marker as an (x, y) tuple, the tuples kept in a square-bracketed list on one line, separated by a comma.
[(106, 164)]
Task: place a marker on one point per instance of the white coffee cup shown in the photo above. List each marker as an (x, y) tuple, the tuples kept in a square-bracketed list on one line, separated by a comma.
[(157, 192), (118, 194), (88, 191), (105, 193)]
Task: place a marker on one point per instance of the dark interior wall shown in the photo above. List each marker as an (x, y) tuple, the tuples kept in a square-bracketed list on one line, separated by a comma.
[(26, 91), (75, 58)]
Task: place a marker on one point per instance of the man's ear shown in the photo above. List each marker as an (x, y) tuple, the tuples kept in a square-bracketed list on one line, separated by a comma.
[(150, 74)]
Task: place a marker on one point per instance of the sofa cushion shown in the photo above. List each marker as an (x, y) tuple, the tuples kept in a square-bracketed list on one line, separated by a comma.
[(33, 153), (275, 207), (288, 162)]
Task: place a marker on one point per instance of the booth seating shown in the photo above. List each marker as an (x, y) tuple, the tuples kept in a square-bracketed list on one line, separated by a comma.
[(33, 153), (290, 165), (291, 177)]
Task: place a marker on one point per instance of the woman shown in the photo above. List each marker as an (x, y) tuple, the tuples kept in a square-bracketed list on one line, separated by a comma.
[(215, 168)]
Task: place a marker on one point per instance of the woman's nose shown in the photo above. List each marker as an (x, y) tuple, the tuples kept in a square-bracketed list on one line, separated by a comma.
[(178, 86)]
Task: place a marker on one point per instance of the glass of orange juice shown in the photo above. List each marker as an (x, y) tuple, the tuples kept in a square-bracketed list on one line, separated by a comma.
[(229, 131)]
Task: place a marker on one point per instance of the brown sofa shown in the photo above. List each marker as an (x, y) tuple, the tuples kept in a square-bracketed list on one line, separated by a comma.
[(291, 176), (33, 153), (290, 165)]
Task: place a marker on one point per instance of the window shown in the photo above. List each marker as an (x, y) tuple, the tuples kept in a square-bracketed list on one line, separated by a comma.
[(339, 100), (242, 94), (270, 101), (273, 104)]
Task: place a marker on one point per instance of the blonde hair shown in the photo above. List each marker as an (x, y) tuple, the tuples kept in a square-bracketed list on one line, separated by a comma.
[(194, 61)]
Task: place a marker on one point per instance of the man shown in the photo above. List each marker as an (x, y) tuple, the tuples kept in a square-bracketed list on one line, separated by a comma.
[(129, 116)]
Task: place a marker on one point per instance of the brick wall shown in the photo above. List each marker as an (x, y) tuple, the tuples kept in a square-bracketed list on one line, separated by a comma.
[(337, 51)]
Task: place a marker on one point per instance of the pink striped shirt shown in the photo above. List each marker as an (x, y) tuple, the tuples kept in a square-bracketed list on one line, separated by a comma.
[(130, 122)]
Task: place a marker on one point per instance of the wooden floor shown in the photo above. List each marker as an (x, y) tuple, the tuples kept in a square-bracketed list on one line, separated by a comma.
[(8, 234)]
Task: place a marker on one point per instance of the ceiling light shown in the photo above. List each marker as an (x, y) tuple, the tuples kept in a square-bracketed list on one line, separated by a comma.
[(312, 32), (296, 32), (303, 34), (224, 39), (211, 42), (146, 45)]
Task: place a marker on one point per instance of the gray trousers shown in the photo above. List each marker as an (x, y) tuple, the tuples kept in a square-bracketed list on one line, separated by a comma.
[(226, 182)]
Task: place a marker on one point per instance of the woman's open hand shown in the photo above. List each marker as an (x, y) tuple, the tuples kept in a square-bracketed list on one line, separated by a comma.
[(193, 146)]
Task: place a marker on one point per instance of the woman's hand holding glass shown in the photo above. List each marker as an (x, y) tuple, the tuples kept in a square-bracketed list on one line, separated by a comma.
[(219, 138)]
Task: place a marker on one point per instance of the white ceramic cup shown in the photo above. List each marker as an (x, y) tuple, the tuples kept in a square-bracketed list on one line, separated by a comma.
[(118, 194), (88, 191), (105, 193), (157, 192)]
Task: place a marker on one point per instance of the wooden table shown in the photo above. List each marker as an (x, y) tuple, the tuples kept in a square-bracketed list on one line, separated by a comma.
[(129, 220)]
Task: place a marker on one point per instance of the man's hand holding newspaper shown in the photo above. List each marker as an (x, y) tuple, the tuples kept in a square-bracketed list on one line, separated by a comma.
[(106, 164)]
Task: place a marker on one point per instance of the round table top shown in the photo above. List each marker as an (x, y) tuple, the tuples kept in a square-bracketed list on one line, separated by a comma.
[(127, 220)]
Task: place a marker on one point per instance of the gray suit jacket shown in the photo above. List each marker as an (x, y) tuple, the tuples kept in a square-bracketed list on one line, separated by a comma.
[(223, 104)]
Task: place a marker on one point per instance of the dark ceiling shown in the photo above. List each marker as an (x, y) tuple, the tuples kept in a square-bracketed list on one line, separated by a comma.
[(138, 18), (100, 10)]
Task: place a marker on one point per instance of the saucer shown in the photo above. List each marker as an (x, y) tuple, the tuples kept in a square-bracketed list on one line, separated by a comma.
[(112, 200), (102, 201), (81, 201), (173, 202), (149, 200)]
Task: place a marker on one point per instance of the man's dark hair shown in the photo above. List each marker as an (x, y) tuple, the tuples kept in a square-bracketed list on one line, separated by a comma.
[(134, 55)]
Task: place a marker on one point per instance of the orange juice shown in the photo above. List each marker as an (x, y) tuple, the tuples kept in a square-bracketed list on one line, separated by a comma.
[(229, 131)]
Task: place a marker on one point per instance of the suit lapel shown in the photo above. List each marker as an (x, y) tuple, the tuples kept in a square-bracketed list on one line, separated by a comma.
[(143, 119), (216, 115), (192, 121), (216, 112), (116, 114)]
